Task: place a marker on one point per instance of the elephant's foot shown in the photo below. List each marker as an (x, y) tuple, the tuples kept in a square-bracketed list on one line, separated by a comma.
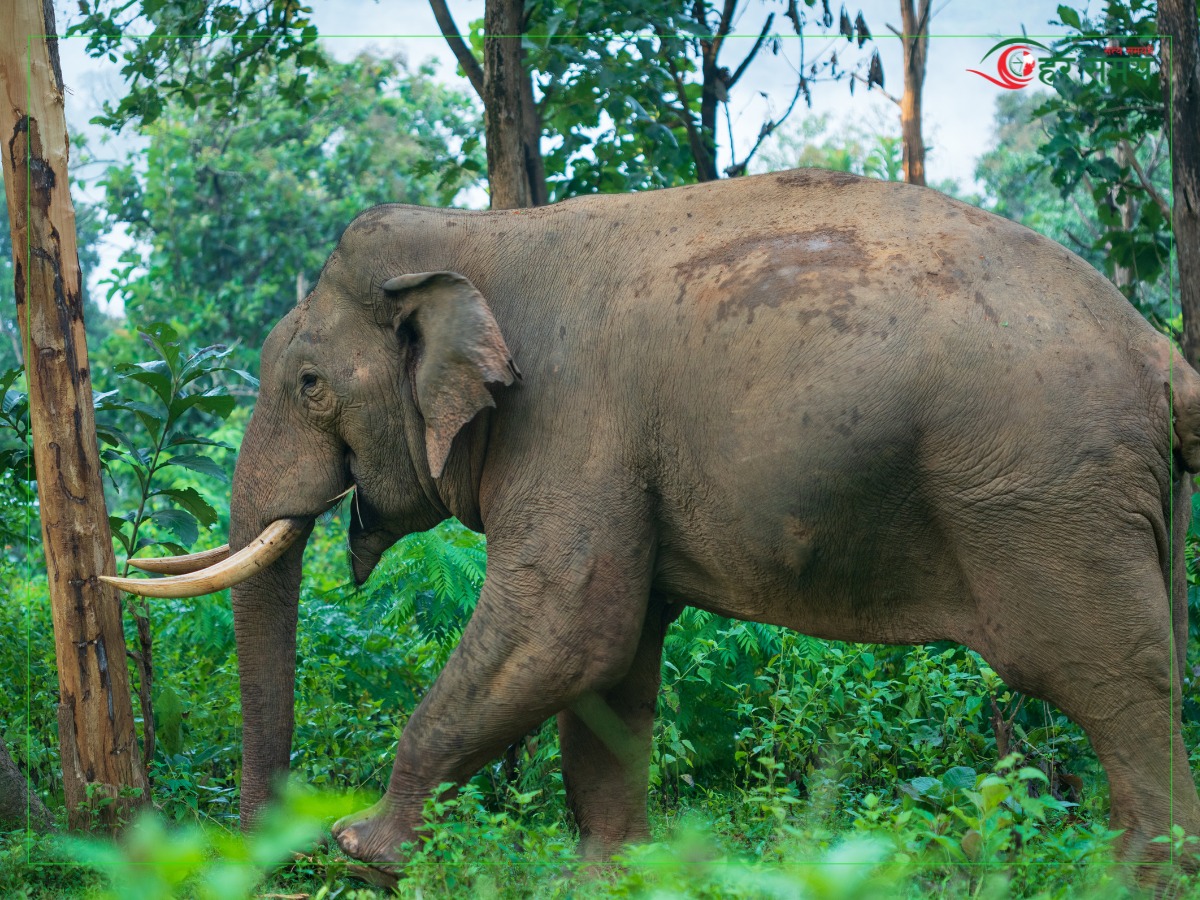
[(374, 836), (601, 846), (388, 879)]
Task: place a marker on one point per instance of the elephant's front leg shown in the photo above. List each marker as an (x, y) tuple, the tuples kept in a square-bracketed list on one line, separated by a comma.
[(543, 635), (606, 743)]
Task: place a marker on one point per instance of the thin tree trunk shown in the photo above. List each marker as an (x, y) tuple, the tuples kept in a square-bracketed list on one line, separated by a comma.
[(1127, 211), (713, 87), (20, 806), (516, 176), (915, 39), (1177, 22), (95, 718)]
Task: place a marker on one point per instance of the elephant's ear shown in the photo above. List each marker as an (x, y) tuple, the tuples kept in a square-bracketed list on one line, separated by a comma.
[(460, 349)]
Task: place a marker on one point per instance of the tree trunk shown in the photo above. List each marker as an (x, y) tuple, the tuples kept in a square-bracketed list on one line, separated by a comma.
[(1177, 22), (516, 175), (20, 806), (704, 151), (915, 40), (95, 718)]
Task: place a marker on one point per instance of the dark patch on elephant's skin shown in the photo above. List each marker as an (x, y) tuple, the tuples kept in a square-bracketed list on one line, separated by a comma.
[(753, 271), (988, 312), (804, 316), (977, 217), (807, 178), (372, 220), (942, 281), (800, 549)]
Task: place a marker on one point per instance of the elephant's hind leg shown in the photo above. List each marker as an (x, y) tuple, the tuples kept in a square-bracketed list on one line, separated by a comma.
[(606, 741), (1092, 634)]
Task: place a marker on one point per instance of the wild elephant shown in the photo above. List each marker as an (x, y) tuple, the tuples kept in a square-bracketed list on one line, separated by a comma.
[(860, 410)]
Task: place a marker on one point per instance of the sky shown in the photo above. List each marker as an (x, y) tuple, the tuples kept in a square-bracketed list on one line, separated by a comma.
[(958, 105)]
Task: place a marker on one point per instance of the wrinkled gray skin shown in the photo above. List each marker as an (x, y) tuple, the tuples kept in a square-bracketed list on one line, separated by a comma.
[(857, 409)]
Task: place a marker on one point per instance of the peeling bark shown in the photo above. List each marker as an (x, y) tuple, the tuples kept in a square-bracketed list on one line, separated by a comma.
[(96, 731)]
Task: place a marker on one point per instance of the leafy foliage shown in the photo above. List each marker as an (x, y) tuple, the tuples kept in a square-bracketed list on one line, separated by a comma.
[(232, 218), (201, 53), (630, 96), (1105, 125), (175, 383)]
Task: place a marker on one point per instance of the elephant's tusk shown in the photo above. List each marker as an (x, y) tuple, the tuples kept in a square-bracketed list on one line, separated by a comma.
[(254, 557), (181, 565)]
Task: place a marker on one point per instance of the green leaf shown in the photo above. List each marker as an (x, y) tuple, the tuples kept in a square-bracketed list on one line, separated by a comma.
[(155, 375), (197, 463), (214, 400), (182, 524), (182, 440), (959, 778), (190, 499), (114, 436), (1069, 17)]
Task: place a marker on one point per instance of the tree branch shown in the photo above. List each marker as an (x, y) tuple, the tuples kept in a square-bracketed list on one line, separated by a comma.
[(1081, 244), (1159, 200), (874, 87), (766, 131), (466, 59), (1084, 219), (723, 29), (753, 52), (695, 140)]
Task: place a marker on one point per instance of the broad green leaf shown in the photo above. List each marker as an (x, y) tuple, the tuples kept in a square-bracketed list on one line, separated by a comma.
[(190, 500), (181, 523), (197, 463), (1069, 17), (959, 778)]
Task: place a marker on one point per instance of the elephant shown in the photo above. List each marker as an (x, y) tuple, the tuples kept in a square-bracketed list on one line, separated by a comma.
[(858, 409)]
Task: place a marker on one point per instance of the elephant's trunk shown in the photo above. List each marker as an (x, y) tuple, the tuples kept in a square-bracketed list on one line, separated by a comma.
[(264, 615)]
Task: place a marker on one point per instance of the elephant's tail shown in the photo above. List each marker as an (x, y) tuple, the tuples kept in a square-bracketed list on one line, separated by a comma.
[(1185, 409), (1177, 584)]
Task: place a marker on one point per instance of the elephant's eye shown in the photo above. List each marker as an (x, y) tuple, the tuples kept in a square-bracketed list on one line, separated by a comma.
[(308, 384)]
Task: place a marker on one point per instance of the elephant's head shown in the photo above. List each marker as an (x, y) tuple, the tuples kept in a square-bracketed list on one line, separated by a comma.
[(364, 387)]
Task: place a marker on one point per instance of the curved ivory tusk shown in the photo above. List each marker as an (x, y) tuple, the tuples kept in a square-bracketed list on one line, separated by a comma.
[(181, 565), (254, 557)]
